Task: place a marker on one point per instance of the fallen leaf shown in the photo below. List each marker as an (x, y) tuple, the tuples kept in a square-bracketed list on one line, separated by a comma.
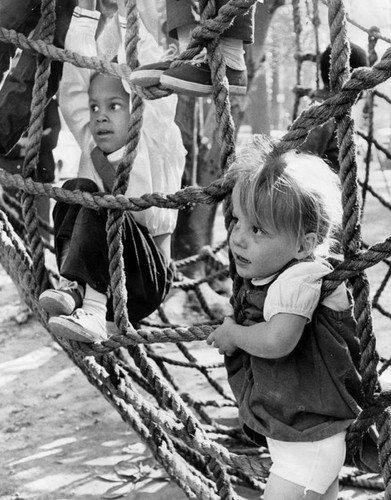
[(126, 469), (111, 477), (118, 491)]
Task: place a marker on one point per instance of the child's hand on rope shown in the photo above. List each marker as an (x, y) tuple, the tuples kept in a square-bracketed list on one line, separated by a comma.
[(223, 338)]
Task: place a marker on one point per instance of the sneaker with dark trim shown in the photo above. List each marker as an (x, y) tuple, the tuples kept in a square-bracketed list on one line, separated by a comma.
[(80, 326), (63, 300), (149, 75), (195, 78)]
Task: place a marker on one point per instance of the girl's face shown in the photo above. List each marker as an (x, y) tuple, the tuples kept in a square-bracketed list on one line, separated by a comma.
[(259, 253), (109, 113)]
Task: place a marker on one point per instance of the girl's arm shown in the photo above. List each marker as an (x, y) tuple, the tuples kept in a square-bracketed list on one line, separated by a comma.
[(290, 303), (272, 339)]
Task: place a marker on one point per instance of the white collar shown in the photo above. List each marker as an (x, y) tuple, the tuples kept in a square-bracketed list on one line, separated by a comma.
[(116, 156), (263, 281)]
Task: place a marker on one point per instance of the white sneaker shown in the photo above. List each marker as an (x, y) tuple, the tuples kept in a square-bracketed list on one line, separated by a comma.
[(80, 326)]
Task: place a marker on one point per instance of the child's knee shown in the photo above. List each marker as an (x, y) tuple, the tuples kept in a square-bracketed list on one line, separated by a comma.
[(82, 184)]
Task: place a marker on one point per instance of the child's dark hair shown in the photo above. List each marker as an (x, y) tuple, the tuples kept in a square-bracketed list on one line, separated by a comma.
[(95, 74), (293, 192), (357, 58)]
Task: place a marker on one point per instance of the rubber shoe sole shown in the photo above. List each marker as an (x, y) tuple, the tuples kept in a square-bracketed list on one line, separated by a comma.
[(149, 74), (66, 327), (196, 80)]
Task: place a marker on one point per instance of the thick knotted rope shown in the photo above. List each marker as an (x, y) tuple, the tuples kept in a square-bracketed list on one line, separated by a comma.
[(30, 214), (114, 226)]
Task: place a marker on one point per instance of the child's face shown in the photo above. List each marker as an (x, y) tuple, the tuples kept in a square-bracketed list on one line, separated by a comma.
[(258, 253), (109, 113)]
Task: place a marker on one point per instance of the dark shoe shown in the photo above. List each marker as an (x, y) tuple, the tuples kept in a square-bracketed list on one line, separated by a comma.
[(80, 326), (149, 75), (194, 78), (62, 301)]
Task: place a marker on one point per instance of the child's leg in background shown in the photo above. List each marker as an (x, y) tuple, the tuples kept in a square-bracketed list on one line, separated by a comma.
[(65, 216), (82, 233), (181, 20), (68, 296), (82, 257), (87, 258), (195, 78), (148, 278), (181, 16)]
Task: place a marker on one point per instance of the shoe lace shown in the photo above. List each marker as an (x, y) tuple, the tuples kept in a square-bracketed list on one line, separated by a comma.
[(67, 285), (200, 58), (170, 53), (80, 313)]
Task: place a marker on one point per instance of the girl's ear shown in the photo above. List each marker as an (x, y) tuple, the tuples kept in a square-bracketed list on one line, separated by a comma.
[(306, 246)]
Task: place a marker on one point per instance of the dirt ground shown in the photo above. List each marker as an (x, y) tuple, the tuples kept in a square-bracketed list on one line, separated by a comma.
[(59, 437), (61, 440)]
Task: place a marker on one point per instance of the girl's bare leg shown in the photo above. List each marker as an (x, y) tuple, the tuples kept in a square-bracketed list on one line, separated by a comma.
[(283, 489)]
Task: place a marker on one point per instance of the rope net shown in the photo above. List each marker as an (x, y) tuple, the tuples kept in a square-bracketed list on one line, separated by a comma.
[(140, 371)]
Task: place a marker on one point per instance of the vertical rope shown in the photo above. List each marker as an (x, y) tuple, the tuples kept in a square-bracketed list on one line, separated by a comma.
[(351, 240), (114, 226), (38, 104)]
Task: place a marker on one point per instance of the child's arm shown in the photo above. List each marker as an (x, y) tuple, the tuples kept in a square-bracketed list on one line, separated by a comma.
[(290, 303), (73, 96), (272, 339), (158, 111), (161, 143)]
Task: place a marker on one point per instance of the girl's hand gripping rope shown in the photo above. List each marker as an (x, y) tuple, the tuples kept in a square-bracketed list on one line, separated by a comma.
[(223, 337)]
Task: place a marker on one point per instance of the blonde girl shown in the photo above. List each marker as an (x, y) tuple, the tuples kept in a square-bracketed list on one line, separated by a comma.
[(291, 356)]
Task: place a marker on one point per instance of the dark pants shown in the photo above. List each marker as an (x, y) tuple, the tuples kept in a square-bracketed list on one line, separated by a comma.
[(180, 13), (16, 92), (147, 277)]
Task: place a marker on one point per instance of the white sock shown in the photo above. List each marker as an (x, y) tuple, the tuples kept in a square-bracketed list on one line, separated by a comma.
[(233, 52), (184, 35), (95, 303)]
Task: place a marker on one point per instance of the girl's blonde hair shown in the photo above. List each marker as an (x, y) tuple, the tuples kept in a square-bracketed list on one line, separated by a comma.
[(292, 191)]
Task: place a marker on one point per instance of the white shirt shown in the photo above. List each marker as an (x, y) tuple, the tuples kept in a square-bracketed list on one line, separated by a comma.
[(297, 291), (160, 160)]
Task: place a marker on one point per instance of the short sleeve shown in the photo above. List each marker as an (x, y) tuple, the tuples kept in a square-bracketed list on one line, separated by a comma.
[(296, 291)]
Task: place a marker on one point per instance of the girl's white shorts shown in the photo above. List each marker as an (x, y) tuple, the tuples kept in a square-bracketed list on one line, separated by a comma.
[(314, 465)]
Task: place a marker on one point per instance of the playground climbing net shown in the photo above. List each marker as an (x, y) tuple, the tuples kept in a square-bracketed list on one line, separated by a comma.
[(185, 434)]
